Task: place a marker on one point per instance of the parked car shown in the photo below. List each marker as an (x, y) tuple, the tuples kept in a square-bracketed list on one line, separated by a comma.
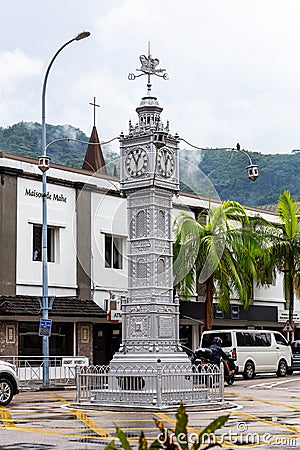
[(9, 382), (295, 346), (254, 351)]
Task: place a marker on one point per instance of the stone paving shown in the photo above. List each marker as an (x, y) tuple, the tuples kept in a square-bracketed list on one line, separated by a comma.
[(265, 414)]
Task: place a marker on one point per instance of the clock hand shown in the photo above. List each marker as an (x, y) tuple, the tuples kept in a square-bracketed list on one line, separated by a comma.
[(136, 160), (164, 159)]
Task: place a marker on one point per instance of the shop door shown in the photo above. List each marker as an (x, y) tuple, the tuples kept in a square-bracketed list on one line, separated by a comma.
[(107, 340)]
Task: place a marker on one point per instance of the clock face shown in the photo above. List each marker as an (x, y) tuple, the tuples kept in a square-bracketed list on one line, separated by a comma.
[(136, 162), (165, 162)]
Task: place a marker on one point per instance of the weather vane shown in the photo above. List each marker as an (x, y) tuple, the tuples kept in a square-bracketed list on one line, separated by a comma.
[(149, 67)]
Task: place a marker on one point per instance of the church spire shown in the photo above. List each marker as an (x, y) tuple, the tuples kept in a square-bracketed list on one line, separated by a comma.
[(94, 160)]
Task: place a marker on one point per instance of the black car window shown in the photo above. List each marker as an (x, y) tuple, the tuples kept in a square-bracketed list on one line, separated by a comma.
[(262, 339), (245, 339), (209, 337), (295, 347), (280, 339)]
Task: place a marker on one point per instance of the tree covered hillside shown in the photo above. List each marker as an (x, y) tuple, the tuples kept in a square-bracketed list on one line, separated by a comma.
[(277, 173), (225, 169), (25, 139)]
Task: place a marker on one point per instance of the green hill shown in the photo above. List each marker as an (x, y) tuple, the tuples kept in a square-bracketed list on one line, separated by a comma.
[(277, 173), (25, 139), (225, 169)]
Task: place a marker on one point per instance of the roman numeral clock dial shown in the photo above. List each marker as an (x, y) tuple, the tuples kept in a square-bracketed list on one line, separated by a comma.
[(136, 162), (165, 162)]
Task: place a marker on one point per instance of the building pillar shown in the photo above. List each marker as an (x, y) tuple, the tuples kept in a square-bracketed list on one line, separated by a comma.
[(85, 340), (8, 231), (83, 206), (8, 338)]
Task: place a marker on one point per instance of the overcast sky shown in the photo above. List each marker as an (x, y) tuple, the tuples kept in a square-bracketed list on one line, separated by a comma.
[(233, 65)]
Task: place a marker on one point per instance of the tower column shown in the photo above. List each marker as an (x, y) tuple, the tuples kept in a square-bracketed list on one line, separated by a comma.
[(150, 314), (149, 179)]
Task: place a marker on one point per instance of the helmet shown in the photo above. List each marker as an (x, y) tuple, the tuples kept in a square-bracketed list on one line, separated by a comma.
[(217, 341)]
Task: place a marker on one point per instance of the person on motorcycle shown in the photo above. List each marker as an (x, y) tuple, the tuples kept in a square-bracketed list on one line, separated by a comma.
[(218, 353)]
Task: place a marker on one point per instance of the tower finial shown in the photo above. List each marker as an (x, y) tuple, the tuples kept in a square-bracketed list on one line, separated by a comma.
[(149, 67)]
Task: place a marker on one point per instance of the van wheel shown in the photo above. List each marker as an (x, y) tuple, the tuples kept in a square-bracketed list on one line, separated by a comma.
[(249, 371), (282, 368)]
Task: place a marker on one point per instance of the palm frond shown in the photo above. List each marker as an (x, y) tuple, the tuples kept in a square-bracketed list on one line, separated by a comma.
[(288, 212)]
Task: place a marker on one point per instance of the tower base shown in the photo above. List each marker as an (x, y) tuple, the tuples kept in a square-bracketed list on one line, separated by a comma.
[(151, 380)]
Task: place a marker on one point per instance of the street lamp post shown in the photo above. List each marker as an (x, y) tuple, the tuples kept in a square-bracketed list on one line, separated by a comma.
[(44, 163)]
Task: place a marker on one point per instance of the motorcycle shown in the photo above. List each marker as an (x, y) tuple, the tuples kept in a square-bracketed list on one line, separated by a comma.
[(206, 356)]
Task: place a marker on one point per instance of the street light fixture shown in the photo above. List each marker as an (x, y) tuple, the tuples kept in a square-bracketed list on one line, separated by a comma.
[(44, 164), (252, 169)]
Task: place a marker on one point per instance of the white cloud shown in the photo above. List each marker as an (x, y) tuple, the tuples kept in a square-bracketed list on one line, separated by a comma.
[(233, 68), (18, 73), (15, 66)]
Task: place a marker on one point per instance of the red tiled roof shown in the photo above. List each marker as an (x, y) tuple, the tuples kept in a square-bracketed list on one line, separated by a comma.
[(62, 306)]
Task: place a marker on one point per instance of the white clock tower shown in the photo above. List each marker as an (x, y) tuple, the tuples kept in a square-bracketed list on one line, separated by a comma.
[(149, 179)]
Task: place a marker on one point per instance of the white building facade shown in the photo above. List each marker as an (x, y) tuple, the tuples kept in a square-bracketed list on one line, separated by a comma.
[(87, 264)]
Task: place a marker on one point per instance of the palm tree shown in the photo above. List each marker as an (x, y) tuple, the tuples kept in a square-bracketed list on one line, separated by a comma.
[(212, 252), (281, 252)]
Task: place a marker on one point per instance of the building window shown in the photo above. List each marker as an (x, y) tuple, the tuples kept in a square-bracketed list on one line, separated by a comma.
[(140, 224), (10, 334), (235, 312), (161, 221), (141, 269), (113, 252), (219, 314), (37, 243), (60, 341)]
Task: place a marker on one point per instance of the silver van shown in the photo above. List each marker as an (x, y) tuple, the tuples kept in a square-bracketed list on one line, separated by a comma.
[(254, 351)]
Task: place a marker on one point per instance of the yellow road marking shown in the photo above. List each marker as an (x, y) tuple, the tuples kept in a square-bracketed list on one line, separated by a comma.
[(8, 422), (6, 418), (85, 419), (269, 402), (271, 422)]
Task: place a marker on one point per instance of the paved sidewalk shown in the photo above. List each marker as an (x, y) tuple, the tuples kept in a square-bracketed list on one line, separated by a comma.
[(267, 417)]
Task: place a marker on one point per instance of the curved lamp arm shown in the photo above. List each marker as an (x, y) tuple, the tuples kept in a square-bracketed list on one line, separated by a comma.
[(82, 142), (252, 169), (80, 36)]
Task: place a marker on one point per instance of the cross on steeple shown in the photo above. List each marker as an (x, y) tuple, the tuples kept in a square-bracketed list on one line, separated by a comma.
[(94, 105)]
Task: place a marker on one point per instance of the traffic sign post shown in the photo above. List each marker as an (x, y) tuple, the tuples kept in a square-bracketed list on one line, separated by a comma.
[(287, 328), (45, 327)]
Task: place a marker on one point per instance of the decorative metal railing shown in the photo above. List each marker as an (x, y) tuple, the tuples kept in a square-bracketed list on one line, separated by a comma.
[(150, 386), (61, 369)]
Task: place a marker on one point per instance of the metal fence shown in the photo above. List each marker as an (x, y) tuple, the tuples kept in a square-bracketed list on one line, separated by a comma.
[(62, 369), (150, 386)]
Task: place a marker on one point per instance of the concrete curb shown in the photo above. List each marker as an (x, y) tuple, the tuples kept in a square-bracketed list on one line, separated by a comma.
[(173, 408)]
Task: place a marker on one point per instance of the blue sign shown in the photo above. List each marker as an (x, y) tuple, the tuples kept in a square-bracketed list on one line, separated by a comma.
[(45, 327)]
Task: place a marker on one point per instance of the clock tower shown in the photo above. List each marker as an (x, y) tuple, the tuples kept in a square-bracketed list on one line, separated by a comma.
[(149, 179)]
